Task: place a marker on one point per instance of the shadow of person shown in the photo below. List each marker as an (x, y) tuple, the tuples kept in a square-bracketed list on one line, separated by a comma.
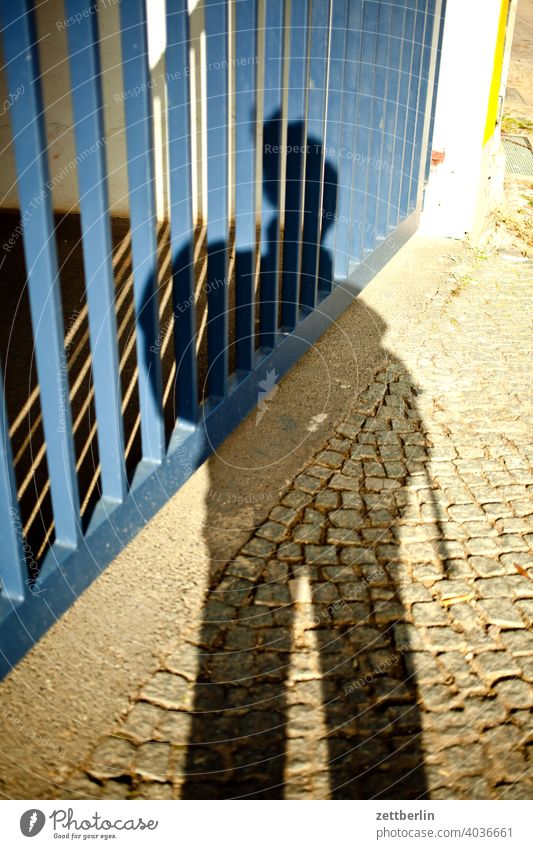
[(306, 681)]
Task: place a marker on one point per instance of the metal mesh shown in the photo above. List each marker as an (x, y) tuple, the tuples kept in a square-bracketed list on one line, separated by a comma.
[(518, 155)]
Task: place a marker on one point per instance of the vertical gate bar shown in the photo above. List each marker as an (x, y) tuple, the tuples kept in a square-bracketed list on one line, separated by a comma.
[(140, 147), (378, 110), (245, 174), (296, 146), (273, 151), (438, 24), (395, 58), (86, 94), (423, 71), (348, 133), (13, 568), (34, 188), (216, 29), (181, 215), (435, 34), (328, 212), (386, 56), (314, 172), (401, 113), (415, 92), (364, 119)]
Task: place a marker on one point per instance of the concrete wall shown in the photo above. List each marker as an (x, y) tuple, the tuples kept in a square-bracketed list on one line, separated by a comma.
[(468, 181)]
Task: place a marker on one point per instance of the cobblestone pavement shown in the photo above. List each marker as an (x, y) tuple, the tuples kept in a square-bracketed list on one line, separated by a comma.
[(372, 639)]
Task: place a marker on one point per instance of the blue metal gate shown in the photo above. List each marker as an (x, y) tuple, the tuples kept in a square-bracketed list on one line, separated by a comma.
[(327, 185)]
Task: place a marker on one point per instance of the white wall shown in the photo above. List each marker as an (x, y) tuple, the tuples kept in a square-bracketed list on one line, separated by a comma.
[(458, 184)]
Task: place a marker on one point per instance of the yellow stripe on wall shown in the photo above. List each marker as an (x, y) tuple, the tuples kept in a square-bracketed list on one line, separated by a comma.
[(492, 111)]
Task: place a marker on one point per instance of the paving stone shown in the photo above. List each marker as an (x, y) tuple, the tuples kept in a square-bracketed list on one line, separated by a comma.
[(382, 484), (232, 591), (526, 609), (290, 552), (333, 459), (515, 694), (217, 611), (259, 547), (491, 666), (458, 568), (428, 613), (240, 639), (493, 588), (147, 790), (419, 552), (113, 757), (521, 587), (344, 482), (415, 592), (406, 636), (423, 668), (483, 546), (321, 554), (308, 483), (152, 761), (387, 613), (307, 533), (444, 639), (342, 536), (500, 612), (485, 713), (296, 499), (327, 499), (143, 720), (486, 567), (285, 515), (466, 512), (439, 698), (272, 595), (346, 518), (249, 569), (273, 531), (352, 500), (169, 691), (519, 643)]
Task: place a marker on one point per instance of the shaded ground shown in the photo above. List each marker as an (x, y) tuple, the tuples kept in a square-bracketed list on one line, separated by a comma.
[(373, 636)]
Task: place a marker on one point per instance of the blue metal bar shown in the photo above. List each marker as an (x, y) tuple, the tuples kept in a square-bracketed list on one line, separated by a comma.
[(424, 60), (417, 89), (370, 235), (348, 134), (13, 570), (34, 187), (216, 29), (365, 98), (437, 22), (140, 145), (314, 171), (339, 23), (246, 14), (295, 173), (181, 217), (400, 127), (85, 76), (395, 64), (273, 151), (388, 53)]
